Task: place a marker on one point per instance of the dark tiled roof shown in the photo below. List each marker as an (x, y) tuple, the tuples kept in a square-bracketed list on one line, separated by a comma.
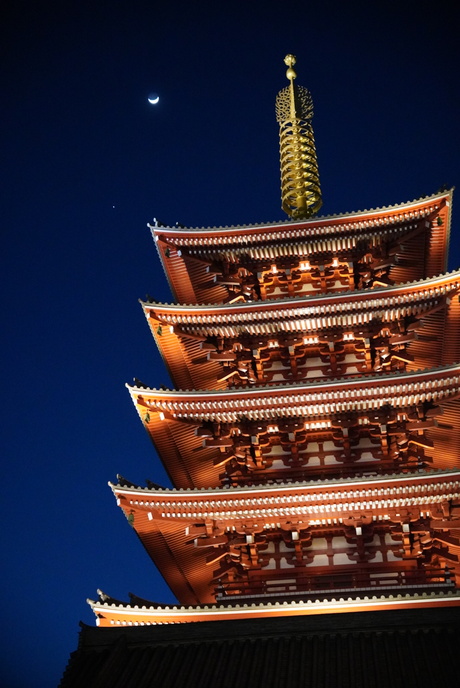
[(409, 648)]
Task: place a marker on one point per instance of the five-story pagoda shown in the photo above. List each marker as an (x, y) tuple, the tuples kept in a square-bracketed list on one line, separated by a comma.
[(313, 438)]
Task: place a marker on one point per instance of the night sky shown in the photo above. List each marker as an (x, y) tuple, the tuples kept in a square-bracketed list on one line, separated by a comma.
[(87, 162)]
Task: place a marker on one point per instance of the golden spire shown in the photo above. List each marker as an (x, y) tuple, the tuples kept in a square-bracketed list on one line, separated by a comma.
[(300, 189)]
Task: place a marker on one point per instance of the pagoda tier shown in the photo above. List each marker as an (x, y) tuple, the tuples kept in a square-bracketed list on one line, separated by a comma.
[(370, 425), (288, 340), (330, 254), (303, 540)]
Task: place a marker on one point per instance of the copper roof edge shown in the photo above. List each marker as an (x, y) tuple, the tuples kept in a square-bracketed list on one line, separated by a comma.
[(447, 194), (452, 597), (285, 486)]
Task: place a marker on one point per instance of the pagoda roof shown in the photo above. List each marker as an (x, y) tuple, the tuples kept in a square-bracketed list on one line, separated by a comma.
[(167, 520), (398, 498), (171, 417), (177, 246), (177, 328), (227, 404), (114, 614), (320, 225), (313, 503)]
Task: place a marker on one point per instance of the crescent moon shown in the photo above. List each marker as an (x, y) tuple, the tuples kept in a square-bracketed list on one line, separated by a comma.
[(154, 101)]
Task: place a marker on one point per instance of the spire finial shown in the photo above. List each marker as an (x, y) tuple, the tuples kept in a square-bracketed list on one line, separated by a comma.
[(300, 189), (290, 61)]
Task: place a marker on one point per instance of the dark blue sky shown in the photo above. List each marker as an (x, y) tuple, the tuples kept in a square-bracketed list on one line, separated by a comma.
[(87, 162)]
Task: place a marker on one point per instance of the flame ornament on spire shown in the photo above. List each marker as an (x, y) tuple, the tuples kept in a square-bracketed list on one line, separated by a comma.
[(300, 189)]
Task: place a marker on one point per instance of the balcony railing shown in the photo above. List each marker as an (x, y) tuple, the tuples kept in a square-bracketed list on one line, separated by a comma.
[(286, 585)]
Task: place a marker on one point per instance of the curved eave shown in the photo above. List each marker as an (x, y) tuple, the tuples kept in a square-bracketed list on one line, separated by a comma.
[(127, 615), (315, 304), (389, 502), (311, 490), (296, 507), (317, 223), (356, 388)]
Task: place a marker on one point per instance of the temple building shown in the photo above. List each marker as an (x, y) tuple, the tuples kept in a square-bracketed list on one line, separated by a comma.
[(312, 536)]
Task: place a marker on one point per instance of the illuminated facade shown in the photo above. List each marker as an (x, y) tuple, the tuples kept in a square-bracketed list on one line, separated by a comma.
[(314, 451)]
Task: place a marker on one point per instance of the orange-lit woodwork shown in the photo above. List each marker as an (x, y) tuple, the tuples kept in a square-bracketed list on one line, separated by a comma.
[(313, 440), (289, 340), (370, 425), (304, 539), (325, 255)]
